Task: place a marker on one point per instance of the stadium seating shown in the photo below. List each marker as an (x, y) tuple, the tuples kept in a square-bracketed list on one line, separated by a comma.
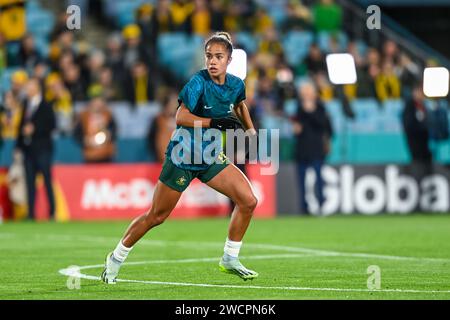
[(324, 38), (123, 11), (374, 135), (40, 22), (5, 81), (32, 5), (177, 52), (296, 45), (247, 40)]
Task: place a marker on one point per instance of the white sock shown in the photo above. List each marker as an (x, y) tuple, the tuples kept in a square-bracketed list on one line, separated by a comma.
[(121, 252), (232, 248)]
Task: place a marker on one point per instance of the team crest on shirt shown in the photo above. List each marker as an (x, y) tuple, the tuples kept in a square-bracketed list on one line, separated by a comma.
[(181, 181), (222, 157)]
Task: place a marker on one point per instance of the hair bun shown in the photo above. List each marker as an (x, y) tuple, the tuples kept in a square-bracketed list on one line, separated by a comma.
[(221, 37), (223, 34)]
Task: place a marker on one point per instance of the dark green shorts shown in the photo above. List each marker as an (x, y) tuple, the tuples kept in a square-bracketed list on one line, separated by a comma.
[(179, 179)]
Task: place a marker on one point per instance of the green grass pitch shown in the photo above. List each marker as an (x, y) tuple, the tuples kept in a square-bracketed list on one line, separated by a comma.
[(296, 257)]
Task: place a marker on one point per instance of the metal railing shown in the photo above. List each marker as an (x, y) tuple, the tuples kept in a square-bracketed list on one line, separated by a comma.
[(355, 18)]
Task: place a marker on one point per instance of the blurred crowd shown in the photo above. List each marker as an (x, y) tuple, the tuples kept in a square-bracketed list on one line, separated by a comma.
[(46, 89), (128, 68)]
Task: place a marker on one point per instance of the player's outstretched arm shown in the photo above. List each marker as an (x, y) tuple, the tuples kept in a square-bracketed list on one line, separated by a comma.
[(243, 114), (187, 119)]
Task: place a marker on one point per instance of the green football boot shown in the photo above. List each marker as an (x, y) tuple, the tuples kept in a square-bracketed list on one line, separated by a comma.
[(234, 266)]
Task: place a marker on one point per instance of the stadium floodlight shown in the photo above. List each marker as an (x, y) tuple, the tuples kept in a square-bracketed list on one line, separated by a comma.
[(238, 65), (341, 68), (435, 82)]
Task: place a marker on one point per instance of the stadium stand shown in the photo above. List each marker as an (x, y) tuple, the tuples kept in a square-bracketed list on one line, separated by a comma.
[(377, 121)]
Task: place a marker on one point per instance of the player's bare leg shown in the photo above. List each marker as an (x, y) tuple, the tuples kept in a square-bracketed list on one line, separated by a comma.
[(164, 201), (235, 185)]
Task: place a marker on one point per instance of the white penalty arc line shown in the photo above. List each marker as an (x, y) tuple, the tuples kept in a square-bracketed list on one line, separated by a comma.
[(75, 273), (305, 252)]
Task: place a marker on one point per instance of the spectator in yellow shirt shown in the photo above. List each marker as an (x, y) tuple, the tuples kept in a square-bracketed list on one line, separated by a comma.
[(3, 53), (324, 87), (270, 43), (201, 18), (262, 21), (60, 98), (18, 82), (134, 49), (139, 85), (387, 84), (233, 21), (12, 19), (10, 116), (180, 10), (162, 17)]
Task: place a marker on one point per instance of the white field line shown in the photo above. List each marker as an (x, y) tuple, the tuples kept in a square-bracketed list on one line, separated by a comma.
[(194, 260), (7, 235), (306, 252), (72, 272), (193, 244)]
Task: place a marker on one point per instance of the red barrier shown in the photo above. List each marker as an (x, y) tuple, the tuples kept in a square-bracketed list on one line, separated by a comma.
[(5, 204), (124, 191)]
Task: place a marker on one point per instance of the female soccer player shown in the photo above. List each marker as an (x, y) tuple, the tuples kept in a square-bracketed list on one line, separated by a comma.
[(207, 99)]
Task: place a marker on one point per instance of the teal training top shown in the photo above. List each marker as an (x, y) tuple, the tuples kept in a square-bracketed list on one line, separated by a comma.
[(204, 98)]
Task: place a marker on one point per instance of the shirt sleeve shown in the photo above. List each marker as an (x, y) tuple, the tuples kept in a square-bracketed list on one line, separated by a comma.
[(191, 92), (241, 95)]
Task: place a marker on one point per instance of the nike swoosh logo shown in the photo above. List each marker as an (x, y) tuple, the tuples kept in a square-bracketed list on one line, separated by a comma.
[(206, 107)]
